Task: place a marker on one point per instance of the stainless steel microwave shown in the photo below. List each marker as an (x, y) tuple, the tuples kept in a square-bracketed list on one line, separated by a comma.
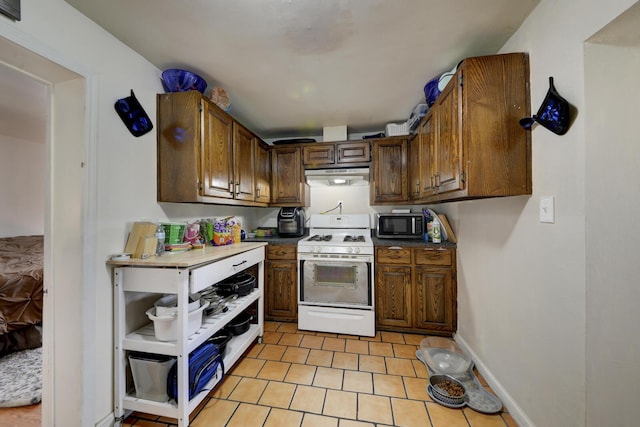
[(400, 226)]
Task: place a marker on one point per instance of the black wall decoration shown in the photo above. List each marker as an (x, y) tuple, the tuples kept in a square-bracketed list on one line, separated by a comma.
[(555, 113), (133, 115)]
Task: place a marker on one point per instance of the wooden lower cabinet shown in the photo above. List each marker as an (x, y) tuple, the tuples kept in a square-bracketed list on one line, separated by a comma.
[(393, 296), (416, 289), (281, 284)]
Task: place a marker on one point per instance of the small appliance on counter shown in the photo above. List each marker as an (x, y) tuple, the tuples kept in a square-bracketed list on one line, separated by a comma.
[(291, 222)]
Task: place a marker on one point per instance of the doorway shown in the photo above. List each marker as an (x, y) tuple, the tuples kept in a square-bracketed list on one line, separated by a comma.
[(67, 213), (612, 67)]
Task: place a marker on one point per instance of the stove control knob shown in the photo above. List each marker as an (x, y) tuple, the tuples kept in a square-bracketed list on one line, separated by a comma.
[(349, 250), (357, 250)]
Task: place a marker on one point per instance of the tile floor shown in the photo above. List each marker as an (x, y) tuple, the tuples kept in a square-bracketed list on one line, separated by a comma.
[(308, 379)]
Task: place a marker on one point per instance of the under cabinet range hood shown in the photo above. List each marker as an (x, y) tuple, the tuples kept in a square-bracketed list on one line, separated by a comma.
[(337, 177)]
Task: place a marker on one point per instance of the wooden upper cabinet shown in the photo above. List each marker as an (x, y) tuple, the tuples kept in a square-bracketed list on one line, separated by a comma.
[(350, 153), (179, 151), (426, 134), (487, 153), (336, 154), (217, 173), (318, 155), (244, 152), (448, 140), (389, 171), (414, 165), (263, 172), (204, 155), (287, 183), (472, 143)]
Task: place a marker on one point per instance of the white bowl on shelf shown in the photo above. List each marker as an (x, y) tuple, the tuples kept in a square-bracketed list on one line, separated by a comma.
[(166, 326)]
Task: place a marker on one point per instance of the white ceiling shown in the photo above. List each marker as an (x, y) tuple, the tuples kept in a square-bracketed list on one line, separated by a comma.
[(292, 67)]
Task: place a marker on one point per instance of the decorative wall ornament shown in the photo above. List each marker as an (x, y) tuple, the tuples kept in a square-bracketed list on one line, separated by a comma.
[(555, 113), (133, 115)]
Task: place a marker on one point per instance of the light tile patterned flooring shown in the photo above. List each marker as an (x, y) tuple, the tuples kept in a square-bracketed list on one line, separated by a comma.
[(308, 379)]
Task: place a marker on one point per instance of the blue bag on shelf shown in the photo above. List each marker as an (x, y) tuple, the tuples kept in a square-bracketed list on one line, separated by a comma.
[(205, 365)]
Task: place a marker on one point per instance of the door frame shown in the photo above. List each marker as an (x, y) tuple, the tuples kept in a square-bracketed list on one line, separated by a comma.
[(70, 222)]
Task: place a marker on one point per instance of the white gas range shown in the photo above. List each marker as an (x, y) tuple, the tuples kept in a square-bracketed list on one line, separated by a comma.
[(335, 275)]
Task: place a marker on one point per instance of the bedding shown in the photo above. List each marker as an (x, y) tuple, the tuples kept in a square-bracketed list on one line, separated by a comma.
[(21, 290)]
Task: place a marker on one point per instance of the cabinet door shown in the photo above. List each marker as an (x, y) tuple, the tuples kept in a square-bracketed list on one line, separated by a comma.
[(449, 138), (318, 155), (353, 152), (244, 161), (263, 173), (389, 166), (393, 295), (281, 301), (179, 123), (415, 168), (286, 171), (434, 299), (428, 165), (217, 152)]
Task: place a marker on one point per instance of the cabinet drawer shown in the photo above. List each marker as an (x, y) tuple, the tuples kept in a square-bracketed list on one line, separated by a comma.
[(319, 155), (281, 252), (209, 274), (433, 256), (354, 152), (393, 255)]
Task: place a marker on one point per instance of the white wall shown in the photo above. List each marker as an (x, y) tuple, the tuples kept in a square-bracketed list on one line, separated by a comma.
[(521, 296), (22, 178)]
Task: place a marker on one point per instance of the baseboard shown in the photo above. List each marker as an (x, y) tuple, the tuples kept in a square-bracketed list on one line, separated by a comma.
[(512, 407), (108, 421)]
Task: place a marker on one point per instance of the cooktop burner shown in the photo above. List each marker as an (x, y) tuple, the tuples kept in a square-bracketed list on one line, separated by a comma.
[(354, 239), (320, 238)]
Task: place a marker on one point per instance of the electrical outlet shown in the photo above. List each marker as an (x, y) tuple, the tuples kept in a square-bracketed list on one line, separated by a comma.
[(547, 209)]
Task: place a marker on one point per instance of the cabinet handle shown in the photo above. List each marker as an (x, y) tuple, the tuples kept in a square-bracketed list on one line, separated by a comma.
[(438, 179), (237, 188), (417, 187), (432, 178), (395, 248), (258, 190), (239, 264)]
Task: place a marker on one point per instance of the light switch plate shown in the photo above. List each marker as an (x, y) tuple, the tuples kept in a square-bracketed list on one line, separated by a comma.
[(547, 209)]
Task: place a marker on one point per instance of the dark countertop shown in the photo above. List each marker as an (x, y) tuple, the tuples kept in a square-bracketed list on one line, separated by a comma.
[(410, 242), (277, 240)]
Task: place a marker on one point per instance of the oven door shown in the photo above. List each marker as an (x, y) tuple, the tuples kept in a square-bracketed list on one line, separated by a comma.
[(341, 283)]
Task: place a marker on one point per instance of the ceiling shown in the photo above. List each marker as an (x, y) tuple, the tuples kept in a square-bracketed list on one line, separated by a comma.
[(292, 67)]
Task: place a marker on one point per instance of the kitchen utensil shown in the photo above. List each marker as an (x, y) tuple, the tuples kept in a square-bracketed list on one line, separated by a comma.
[(166, 327), (241, 284), (240, 324), (221, 341)]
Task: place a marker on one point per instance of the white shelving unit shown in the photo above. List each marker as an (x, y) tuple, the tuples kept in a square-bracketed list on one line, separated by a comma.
[(135, 284)]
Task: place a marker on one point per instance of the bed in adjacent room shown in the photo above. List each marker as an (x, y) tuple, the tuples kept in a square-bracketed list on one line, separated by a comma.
[(21, 290)]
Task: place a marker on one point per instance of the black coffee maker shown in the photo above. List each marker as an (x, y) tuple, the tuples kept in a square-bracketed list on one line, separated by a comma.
[(291, 222)]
